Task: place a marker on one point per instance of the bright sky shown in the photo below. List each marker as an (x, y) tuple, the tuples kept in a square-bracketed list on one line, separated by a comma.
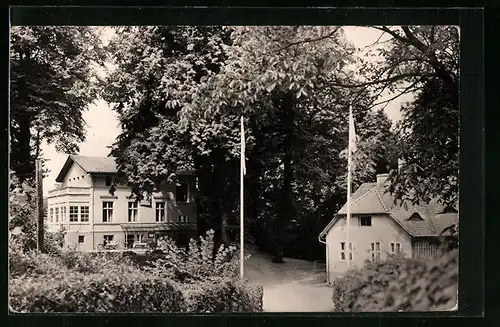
[(103, 126)]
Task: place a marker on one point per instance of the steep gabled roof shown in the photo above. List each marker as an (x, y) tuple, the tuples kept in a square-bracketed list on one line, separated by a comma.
[(96, 165), (371, 198), (91, 165)]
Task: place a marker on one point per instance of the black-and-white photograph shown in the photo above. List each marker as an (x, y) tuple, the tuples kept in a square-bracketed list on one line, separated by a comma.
[(218, 169)]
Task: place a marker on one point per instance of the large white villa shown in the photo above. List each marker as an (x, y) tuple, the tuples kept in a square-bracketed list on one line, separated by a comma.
[(82, 204)]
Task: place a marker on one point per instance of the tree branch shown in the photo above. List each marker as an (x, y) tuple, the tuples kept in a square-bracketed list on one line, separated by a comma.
[(405, 91), (310, 40), (381, 81)]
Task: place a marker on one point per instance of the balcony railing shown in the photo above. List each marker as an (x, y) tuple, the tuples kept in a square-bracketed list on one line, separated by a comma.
[(70, 190)]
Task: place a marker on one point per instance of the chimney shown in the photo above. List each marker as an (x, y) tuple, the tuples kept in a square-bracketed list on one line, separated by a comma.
[(381, 178)]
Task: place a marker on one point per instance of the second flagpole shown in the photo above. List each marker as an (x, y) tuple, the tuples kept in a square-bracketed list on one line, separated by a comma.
[(242, 172), (349, 172)]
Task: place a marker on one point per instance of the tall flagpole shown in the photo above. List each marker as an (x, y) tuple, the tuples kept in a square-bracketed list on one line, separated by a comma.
[(349, 177), (242, 173)]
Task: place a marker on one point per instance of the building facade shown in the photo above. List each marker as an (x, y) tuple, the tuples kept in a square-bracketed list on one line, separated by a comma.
[(379, 227), (84, 207)]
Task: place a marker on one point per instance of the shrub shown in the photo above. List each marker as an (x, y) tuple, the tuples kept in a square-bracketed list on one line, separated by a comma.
[(73, 281), (198, 263), (399, 284), (223, 295), (33, 264), (111, 292)]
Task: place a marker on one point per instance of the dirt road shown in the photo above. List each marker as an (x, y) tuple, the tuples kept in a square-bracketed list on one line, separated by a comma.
[(288, 287)]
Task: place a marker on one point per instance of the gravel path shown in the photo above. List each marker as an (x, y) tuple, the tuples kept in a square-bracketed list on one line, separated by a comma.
[(288, 287)]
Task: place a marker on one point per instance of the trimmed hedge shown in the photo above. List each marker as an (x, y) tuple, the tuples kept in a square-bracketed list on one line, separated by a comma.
[(399, 284), (223, 295), (84, 282), (78, 292)]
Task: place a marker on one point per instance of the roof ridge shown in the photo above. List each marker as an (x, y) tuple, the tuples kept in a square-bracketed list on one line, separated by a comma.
[(362, 195), (381, 201)]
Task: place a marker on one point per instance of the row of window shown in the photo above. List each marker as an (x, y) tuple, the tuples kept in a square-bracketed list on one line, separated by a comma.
[(81, 213), (395, 247), (133, 212), (76, 214)]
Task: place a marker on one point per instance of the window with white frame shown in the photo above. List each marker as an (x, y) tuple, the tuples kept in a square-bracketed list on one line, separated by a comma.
[(56, 214), (395, 247), (73, 213), (344, 252), (375, 251), (132, 211), (84, 214), (160, 211), (183, 218), (63, 214), (51, 214), (107, 211), (81, 239)]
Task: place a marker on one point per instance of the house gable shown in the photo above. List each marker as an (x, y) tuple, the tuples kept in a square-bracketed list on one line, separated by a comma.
[(76, 176)]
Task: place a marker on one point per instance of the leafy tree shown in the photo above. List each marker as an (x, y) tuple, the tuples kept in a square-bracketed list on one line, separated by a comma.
[(283, 86), (158, 70), (423, 60), (429, 145), (52, 81), (295, 120)]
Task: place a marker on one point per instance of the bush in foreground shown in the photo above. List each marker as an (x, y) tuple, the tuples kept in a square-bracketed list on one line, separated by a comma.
[(72, 281), (399, 284), (223, 295), (78, 292)]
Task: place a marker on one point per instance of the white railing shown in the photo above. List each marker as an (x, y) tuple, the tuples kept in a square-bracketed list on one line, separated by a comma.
[(69, 190)]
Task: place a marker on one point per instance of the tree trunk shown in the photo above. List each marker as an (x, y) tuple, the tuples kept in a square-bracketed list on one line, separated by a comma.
[(224, 222), (21, 160), (220, 191), (286, 211)]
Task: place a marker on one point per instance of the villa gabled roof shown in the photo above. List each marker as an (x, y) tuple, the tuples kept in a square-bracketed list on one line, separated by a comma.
[(90, 164), (371, 198), (96, 165)]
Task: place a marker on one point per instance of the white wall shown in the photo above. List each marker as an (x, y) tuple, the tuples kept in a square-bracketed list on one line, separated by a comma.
[(76, 177), (383, 230), (96, 193)]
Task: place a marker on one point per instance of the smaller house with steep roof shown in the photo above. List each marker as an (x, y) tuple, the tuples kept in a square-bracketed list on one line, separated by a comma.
[(380, 227), (84, 207)]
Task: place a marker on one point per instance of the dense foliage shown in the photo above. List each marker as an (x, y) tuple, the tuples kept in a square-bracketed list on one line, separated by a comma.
[(199, 262), (223, 295), (53, 80), (400, 284), (23, 219), (423, 61), (86, 288), (180, 91), (196, 281)]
